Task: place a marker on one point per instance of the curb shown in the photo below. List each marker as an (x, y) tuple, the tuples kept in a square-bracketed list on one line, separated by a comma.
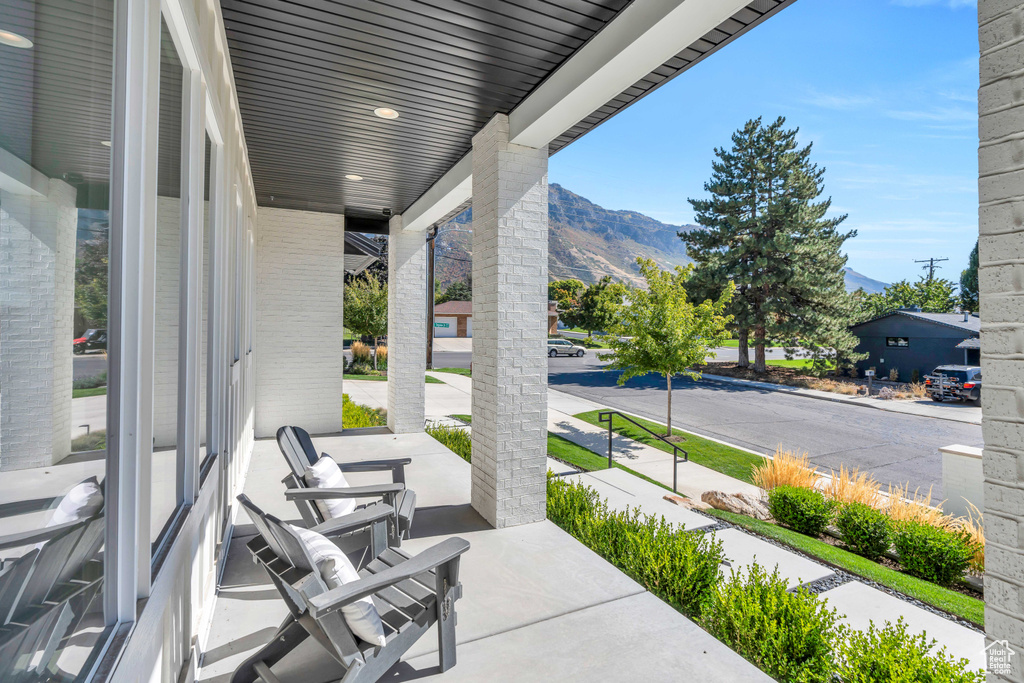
[(797, 391)]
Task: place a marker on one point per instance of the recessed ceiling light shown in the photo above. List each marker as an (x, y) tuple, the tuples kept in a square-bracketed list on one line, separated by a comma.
[(15, 40), (105, 143), (353, 176), (386, 113)]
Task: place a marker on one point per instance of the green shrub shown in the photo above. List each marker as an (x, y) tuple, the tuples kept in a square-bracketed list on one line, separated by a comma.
[(865, 530), (99, 380), (354, 415), (890, 655), (680, 567), (938, 555), (455, 438), (803, 510), (787, 635)]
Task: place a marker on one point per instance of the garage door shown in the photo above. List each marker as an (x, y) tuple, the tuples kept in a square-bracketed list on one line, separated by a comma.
[(469, 326), (445, 327)]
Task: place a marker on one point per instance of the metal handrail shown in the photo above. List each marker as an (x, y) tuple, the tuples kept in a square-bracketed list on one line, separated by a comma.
[(607, 416)]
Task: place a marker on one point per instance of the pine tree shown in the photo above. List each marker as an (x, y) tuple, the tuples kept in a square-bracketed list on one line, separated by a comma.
[(765, 230), (969, 300)]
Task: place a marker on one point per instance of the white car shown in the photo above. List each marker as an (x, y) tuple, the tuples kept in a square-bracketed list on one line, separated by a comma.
[(564, 347)]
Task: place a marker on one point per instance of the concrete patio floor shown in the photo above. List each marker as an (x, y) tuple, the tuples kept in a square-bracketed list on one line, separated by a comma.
[(537, 604)]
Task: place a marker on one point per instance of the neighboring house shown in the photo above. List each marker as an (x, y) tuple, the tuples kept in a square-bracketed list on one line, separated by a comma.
[(453, 319), (909, 340)]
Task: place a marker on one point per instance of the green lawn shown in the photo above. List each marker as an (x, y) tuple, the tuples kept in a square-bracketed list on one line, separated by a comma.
[(719, 457), (971, 609), (731, 343), (465, 372), (562, 449), (382, 378), (94, 391)]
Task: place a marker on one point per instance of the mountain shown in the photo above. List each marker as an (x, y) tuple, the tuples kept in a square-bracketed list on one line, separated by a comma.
[(585, 241), (855, 281)]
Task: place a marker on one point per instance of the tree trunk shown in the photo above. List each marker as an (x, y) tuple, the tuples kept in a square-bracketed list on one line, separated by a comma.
[(759, 363), (668, 428), (375, 353), (744, 348)]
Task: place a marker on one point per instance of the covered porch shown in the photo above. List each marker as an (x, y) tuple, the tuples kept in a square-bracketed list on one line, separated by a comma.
[(537, 604)]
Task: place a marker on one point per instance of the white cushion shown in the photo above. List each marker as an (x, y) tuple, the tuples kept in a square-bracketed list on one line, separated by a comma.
[(83, 501), (325, 474), (336, 570)]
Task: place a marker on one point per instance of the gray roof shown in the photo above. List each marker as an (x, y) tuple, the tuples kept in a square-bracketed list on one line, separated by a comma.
[(956, 320), (971, 343)]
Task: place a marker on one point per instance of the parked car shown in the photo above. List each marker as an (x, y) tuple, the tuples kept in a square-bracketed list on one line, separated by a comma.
[(564, 347), (961, 382), (92, 340)]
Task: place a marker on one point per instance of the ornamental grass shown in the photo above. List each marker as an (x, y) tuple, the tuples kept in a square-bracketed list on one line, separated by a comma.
[(785, 468), (853, 486)]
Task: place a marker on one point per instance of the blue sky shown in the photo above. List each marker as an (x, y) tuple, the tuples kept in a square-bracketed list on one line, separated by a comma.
[(885, 89)]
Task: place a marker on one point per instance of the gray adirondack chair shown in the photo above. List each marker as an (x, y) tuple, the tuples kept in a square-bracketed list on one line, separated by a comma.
[(299, 451), (411, 594), (45, 592)]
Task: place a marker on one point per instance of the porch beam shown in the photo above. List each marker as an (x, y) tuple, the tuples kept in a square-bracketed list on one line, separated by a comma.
[(641, 38)]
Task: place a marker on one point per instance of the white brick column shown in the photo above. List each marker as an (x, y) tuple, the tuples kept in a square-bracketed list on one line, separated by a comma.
[(300, 299), (37, 305), (168, 289), (510, 308), (407, 327), (1001, 281)]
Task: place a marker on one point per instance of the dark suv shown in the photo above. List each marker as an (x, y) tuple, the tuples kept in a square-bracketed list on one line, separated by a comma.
[(961, 382)]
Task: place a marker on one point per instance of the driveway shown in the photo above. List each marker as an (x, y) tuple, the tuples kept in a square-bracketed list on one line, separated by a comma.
[(895, 448)]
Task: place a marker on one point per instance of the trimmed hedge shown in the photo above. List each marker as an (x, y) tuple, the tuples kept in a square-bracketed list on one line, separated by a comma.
[(803, 510), (787, 635), (454, 438), (680, 567), (938, 555), (791, 636), (865, 530), (354, 415), (892, 655)]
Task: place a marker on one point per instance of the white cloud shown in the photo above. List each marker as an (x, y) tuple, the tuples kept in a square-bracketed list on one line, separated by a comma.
[(844, 102)]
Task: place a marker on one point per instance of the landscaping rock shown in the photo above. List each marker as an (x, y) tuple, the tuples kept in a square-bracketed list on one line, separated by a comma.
[(686, 502), (740, 503)]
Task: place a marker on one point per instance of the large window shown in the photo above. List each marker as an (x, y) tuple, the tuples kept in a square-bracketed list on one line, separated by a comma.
[(55, 161), (206, 386), (169, 450)]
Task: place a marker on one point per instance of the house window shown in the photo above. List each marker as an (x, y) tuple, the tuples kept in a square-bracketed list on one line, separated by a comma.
[(899, 342)]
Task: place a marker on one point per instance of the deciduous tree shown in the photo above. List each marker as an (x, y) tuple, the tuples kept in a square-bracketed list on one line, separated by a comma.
[(659, 330), (366, 309), (969, 299)]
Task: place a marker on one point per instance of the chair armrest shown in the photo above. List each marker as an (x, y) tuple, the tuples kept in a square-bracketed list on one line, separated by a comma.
[(34, 536), (431, 558), (347, 492), (354, 521), (396, 465)]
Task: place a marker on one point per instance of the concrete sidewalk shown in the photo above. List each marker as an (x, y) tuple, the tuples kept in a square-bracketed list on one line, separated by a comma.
[(956, 412)]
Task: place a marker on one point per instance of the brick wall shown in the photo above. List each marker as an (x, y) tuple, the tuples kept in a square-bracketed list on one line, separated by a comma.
[(1001, 280), (510, 256), (168, 292), (299, 320), (407, 327), (37, 265)]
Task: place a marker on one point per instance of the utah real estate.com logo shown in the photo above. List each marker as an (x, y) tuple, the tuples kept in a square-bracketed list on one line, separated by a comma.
[(998, 656)]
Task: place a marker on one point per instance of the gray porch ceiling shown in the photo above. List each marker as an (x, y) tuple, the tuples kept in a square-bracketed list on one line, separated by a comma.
[(309, 74)]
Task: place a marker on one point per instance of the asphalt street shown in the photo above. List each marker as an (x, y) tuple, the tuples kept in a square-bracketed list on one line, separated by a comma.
[(895, 448), (89, 364)]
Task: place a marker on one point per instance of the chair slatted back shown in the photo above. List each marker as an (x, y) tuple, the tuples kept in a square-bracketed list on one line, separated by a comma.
[(298, 449), (12, 583), (60, 557)]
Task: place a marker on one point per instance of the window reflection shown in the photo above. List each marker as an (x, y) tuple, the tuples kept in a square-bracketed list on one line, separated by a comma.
[(55, 103)]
